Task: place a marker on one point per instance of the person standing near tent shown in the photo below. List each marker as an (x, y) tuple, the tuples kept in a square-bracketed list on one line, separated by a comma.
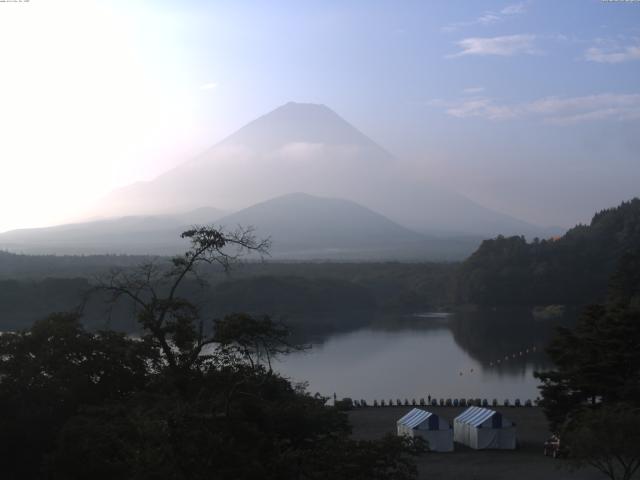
[(552, 446)]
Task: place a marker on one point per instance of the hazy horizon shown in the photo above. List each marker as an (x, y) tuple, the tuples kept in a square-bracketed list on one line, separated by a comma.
[(527, 108)]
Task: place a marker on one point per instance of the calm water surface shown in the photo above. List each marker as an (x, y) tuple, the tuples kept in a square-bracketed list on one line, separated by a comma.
[(483, 355)]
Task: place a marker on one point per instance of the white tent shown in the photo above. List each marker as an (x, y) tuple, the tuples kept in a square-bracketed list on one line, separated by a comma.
[(481, 428), (436, 431)]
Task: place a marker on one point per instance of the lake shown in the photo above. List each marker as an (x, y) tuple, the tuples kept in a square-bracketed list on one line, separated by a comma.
[(462, 355)]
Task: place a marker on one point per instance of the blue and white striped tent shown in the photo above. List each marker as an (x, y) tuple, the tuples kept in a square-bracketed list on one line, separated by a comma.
[(435, 430), (482, 428)]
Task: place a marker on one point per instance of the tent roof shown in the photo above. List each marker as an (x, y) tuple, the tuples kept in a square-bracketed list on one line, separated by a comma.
[(475, 416), (414, 418)]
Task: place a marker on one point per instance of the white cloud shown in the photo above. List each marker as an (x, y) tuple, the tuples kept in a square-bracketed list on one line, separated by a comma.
[(472, 90), (488, 17), (506, 46), (301, 150), (514, 9), (568, 110), (480, 107), (208, 86), (611, 52), (555, 110)]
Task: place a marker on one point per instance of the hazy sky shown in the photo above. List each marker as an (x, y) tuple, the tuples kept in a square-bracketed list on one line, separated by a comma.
[(531, 108)]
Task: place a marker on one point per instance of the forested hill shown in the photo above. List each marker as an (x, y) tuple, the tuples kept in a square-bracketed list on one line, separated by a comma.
[(573, 269)]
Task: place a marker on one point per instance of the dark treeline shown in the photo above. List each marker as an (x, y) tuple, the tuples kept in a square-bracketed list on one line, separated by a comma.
[(23, 302), (390, 285), (34, 267), (281, 289), (573, 269), (17, 266)]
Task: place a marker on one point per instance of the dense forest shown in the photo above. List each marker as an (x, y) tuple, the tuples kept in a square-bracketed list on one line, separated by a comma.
[(573, 269), (18, 266), (288, 290)]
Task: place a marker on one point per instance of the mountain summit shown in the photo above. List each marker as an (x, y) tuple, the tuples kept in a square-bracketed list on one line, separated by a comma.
[(293, 123)]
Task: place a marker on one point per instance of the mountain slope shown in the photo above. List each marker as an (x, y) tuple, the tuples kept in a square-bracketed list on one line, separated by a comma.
[(131, 235), (313, 222), (308, 148), (304, 226)]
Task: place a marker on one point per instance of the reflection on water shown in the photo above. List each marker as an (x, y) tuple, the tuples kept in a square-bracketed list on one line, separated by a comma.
[(477, 354)]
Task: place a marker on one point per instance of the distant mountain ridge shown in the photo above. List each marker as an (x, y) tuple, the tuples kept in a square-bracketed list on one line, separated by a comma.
[(139, 235), (309, 148), (301, 226)]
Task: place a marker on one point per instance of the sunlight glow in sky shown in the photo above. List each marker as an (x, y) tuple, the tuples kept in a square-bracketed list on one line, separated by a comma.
[(86, 105), (531, 108)]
